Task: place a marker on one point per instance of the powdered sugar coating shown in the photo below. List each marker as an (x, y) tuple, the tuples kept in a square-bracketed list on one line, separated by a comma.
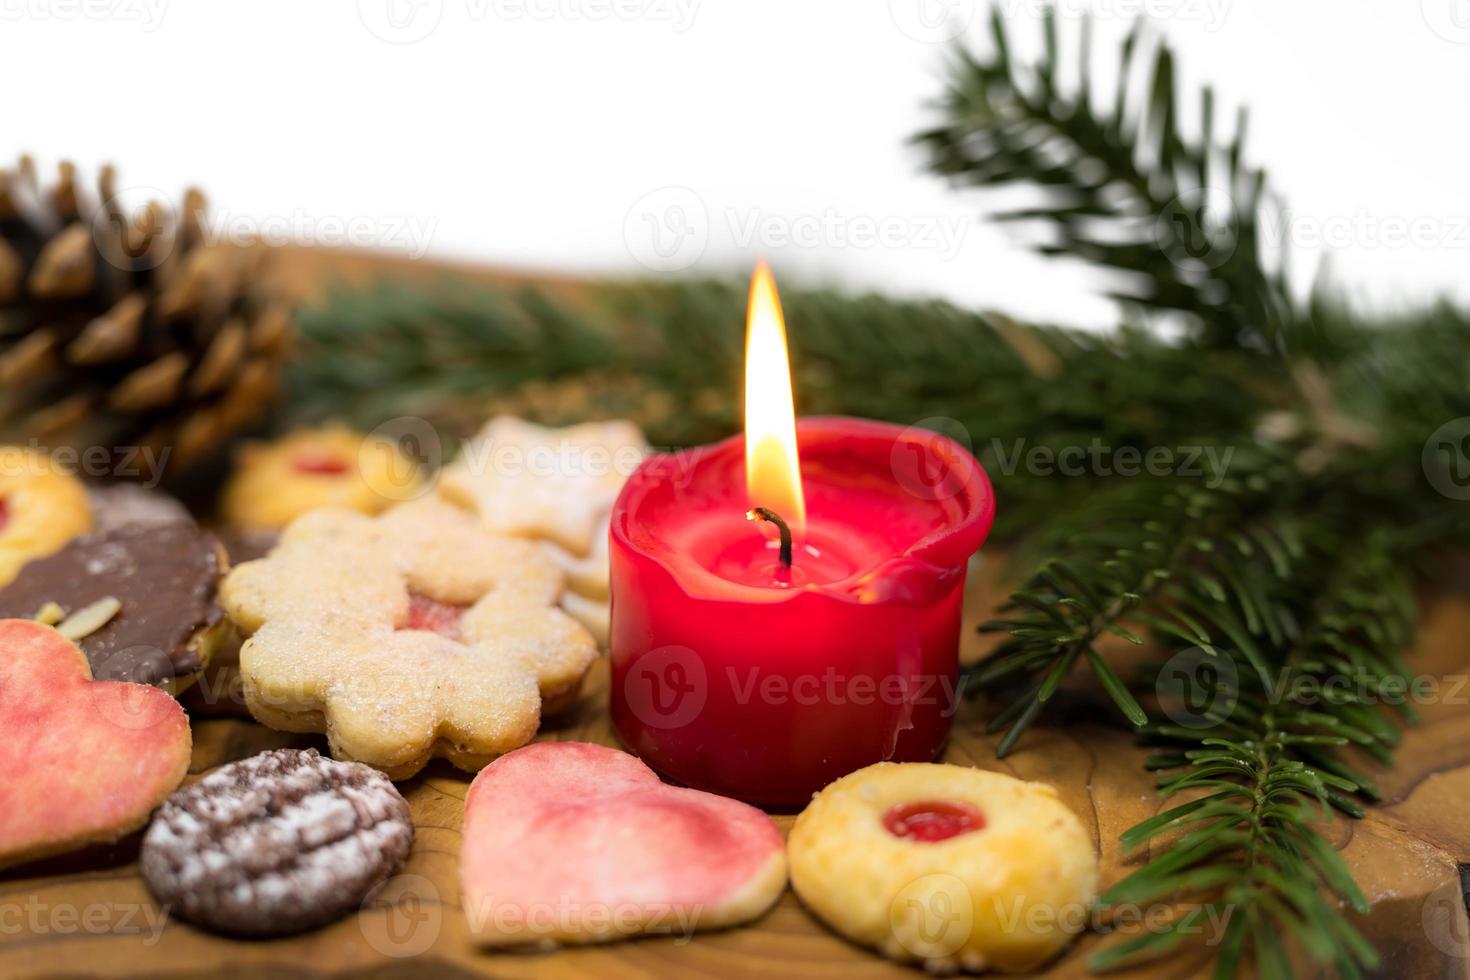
[(330, 652), (276, 843)]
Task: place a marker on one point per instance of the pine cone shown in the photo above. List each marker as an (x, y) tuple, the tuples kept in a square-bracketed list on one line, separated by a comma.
[(121, 332)]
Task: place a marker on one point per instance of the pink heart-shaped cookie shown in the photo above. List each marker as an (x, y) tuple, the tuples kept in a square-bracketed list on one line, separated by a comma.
[(82, 761), (566, 842)]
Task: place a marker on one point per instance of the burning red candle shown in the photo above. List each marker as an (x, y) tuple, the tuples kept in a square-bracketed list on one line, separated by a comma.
[(736, 672)]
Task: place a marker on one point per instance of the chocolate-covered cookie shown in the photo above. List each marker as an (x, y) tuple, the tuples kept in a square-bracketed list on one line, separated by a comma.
[(277, 843), (148, 594), (119, 505)]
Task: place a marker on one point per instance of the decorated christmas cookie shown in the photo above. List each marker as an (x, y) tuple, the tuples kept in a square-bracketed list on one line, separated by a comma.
[(556, 485), (141, 599), (81, 761), (42, 507), (274, 483), (946, 866), (406, 636), (277, 843), (566, 842)]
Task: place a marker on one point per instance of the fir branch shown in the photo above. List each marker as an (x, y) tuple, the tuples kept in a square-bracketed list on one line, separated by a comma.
[(1135, 558), (1260, 774), (1123, 187), (669, 355)]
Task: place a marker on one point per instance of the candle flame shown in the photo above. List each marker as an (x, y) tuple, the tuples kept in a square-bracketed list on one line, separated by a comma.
[(772, 467)]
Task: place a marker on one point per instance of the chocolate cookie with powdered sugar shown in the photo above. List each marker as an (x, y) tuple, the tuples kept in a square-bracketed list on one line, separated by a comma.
[(278, 843)]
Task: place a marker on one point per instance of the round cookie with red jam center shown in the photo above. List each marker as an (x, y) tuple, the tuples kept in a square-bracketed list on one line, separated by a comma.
[(42, 507), (333, 466), (950, 867)]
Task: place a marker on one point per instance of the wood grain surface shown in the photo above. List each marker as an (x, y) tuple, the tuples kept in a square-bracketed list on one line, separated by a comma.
[(90, 913)]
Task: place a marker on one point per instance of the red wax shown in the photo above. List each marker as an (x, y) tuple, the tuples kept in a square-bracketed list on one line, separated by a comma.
[(4, 513), (734, 675), (932, 821)]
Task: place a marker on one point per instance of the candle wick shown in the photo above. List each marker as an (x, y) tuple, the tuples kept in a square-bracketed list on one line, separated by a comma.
[(766, 514)]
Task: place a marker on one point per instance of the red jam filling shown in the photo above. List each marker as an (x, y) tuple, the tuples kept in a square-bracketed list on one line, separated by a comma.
[(319, 464), (4, 513), (932, 820), (433, 616)]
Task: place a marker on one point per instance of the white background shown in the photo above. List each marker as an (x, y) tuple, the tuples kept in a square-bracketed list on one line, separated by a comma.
[(532, 133)]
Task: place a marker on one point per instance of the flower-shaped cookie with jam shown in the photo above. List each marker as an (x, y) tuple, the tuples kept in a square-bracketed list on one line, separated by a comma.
[(406, 636)]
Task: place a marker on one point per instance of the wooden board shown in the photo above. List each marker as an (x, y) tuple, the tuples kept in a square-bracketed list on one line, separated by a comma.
[(90, 914)]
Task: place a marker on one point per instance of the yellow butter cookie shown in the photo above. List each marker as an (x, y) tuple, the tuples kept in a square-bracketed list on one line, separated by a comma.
[(274, 483), (951, 867), (42, 507)]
